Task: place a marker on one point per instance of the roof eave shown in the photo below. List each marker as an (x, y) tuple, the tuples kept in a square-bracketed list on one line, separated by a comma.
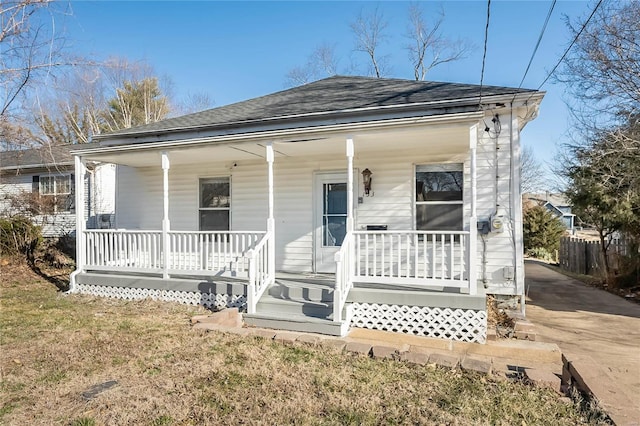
[(283, 134), (372, 111)]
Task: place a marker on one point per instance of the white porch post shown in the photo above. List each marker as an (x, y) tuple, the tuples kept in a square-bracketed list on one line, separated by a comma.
[(166, 226), (271, 223), (350, 224), (81, 251), (473, 220)]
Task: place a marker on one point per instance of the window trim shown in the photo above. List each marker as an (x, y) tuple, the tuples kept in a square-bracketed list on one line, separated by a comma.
[(67, 197), (452, 166), (55, 184), (199, 195)]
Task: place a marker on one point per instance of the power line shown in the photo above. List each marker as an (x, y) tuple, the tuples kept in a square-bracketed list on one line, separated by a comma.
[(535, 49), (575, 39), (484, 53)]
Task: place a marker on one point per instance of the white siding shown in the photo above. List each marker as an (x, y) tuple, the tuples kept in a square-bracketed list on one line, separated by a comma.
[(52, 225), (100, 190), (139, 199), (500, 246)]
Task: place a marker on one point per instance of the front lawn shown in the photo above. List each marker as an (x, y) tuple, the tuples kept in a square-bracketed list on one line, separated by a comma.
[(55, 347)]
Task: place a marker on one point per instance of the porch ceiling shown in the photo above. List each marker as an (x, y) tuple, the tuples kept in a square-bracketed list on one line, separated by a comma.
[(436, 140)]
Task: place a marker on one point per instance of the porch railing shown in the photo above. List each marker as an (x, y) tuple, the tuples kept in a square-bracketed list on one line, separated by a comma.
[(436, 258), (211, 252), (189, 252), (129, 250), (261, 262), (344, 276)]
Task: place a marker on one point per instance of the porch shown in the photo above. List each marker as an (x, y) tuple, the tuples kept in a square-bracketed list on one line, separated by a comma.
[(378, 278), (412, 281)]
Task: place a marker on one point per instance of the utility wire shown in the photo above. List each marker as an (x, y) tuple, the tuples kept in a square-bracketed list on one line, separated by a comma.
[(575, 39), (484, 53), (535, 49)]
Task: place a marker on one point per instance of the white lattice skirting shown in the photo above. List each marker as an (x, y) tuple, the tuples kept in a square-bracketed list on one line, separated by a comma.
[(208, 300), (465, 325)]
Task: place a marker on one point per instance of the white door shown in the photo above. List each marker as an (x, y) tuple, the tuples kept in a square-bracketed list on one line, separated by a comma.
[(330, 193)]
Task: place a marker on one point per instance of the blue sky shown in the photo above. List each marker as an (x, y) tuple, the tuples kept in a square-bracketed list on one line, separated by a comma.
[(239, 50)]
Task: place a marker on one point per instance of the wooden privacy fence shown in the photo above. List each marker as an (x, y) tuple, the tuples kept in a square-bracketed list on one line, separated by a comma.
[(585, 256)]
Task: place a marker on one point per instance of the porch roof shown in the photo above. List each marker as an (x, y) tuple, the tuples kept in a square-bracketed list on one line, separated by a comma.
[(446, 140), (346, 97)]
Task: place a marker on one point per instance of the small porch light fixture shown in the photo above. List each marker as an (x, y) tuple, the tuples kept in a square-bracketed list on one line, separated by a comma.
[(366, 180)]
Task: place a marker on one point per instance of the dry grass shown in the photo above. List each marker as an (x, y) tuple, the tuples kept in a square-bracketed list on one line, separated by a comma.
[(55, 347)]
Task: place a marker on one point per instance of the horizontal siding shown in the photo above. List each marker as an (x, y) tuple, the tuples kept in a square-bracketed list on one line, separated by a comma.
[(139, 199), (51, 225), (500, 247)]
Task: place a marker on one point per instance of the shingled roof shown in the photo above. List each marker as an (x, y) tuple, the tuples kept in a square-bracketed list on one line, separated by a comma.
[(42, 157), (333, 94)]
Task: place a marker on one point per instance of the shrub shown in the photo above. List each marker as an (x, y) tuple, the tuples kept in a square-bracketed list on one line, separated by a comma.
[(541, 229), (19, 236), (542, 253)]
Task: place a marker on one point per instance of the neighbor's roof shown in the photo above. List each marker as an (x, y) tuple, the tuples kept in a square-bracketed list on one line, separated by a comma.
[(555, 199), (330, 95), (42, 157)]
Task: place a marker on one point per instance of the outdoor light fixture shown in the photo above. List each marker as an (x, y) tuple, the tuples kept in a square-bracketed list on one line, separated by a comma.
[(366, 179)]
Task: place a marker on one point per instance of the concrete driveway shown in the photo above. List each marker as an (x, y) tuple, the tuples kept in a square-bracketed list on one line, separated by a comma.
[(583, 320)]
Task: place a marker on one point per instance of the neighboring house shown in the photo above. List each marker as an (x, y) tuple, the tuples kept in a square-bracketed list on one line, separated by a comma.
[(40, 182), (557, 204), (347, 202)]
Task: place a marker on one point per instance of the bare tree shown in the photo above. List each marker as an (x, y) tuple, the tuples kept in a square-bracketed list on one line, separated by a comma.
[(602, 71), (29, 45), (531, 178), (322, 62), (94, 100), (428, 47), (370, 32), (194, 102)]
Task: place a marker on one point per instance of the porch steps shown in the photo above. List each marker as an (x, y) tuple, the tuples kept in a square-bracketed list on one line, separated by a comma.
[(297, 306)]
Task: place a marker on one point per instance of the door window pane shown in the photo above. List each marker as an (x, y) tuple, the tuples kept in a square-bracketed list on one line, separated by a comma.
[(335, 228), (335, 198), (334, 213)]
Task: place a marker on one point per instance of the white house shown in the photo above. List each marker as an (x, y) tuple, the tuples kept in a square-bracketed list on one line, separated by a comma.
[(48, 174), (347, 202)]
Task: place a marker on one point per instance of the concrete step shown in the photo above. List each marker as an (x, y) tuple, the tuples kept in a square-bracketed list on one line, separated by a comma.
[(286, 307), (300, 323), (314, 291)]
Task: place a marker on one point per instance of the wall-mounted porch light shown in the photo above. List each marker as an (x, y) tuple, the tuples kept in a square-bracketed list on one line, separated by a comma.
[(366, 180)]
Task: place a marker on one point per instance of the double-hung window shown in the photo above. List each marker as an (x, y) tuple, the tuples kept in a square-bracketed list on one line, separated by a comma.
[(59, 187), (215, 204), (439, 202)]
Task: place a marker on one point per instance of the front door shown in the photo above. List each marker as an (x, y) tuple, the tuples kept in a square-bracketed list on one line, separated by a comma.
[(330, 192)]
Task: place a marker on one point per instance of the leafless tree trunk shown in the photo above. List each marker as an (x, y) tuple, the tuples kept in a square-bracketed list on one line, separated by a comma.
[(321, 63), (369, 30), (531, 171), (29, 46), (428, 47)]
